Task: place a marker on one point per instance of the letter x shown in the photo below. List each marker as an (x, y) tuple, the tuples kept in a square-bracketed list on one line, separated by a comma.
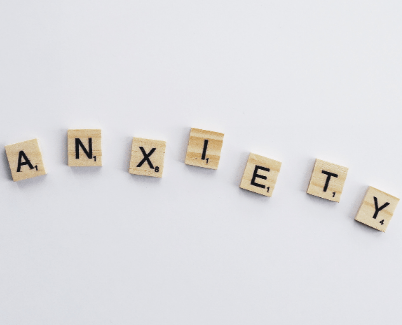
[(146, 157)]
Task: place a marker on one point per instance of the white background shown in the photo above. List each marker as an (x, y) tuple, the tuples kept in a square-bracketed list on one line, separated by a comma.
[(290, 80)]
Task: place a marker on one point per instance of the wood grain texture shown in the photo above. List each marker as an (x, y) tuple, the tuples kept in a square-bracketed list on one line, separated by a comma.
[(317, 186), (153, 166), (30, 159), (257, 179), (197, 146), (367, 211), (84, 135)]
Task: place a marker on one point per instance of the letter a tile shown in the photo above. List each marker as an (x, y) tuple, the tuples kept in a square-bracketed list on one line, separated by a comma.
[(25, 160), (204, 148), (147, 157), (260, 175), (377, 209), (84, 147), (327, 180)]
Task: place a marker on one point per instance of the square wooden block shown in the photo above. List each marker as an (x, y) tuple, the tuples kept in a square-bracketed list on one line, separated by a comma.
[(377, 209), (84, 147), (327, 180), (260, 175), (147, 157), (204, 148), (25, 160)]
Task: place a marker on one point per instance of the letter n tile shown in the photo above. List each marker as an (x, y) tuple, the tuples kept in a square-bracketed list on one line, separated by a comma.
[(84, 147)]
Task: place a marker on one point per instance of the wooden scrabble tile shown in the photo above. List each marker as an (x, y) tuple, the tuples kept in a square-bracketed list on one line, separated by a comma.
[(84, 147), (327, 180), (260, 175), (25, 160), (204, 148), (377, 209), (147, 157)]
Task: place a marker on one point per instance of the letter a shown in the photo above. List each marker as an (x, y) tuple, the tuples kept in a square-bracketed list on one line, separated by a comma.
[(22, 155)]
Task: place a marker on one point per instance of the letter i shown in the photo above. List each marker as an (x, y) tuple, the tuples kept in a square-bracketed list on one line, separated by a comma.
[(204, 150)]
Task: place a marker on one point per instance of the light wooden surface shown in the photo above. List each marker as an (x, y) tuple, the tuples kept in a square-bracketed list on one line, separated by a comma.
[(84, 135), (204, 148), (257, 179), (148, 161), (320, 177), (367, 211), (21, 152)]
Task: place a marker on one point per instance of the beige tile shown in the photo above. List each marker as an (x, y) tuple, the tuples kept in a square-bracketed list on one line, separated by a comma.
[(327, 180), (147, 157), (25, 160), (260, 174), (204, 148), (84, 147), (377, 209)]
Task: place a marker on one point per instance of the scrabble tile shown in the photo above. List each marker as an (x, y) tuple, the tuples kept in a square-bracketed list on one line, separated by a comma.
[(377, 209), (84, 148), (147, 157), (25, 160), (327, 180), (204, 148), (260, 175)]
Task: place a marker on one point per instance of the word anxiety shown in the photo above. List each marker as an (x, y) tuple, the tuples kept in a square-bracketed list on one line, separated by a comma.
[(204, 150)]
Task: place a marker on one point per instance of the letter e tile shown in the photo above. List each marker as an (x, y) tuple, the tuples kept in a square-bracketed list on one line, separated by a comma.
[(260, 175)]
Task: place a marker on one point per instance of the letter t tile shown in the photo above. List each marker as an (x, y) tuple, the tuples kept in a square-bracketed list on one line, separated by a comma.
[(327, 180)]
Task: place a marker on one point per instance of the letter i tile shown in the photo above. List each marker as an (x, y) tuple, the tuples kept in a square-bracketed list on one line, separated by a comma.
[(204, 148)]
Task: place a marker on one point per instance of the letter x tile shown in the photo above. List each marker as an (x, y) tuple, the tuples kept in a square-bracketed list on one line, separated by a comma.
[(147, 157)]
